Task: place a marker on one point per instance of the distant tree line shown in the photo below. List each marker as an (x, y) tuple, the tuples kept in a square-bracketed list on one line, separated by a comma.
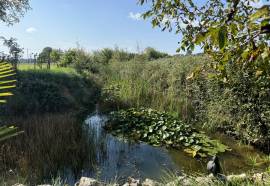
[(80, 59)]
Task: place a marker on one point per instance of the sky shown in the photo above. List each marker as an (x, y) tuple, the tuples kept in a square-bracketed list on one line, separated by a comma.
[(91, 24)]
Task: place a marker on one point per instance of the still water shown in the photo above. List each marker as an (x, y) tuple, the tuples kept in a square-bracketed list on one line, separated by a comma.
[(57, 146), (117, 159)]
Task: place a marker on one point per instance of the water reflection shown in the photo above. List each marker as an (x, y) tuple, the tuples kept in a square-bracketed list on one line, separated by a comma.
[(117, 157), (54, 145)]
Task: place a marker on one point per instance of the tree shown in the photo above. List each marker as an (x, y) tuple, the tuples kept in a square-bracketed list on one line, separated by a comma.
[(45, 57), (55, 56), (14, 50), (68, 58), (229, 31), (12, 10)]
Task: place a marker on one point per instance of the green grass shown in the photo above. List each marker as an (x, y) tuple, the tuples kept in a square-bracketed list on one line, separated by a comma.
[(50, 91), (54, 69), (159, 84)]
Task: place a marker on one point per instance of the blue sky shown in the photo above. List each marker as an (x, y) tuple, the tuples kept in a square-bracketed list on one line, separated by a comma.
[(93, 24)]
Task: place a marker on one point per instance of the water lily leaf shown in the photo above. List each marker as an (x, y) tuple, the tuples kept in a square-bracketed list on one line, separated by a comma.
[(158, 128)]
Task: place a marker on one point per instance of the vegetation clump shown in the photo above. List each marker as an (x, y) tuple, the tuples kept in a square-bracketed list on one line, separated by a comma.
[(160, 128)]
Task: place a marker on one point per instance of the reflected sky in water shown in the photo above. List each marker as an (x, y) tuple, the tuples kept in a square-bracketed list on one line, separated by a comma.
[(117, 157)]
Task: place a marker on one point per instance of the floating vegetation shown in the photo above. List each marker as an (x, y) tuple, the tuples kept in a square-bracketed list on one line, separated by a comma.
[(162, 129)]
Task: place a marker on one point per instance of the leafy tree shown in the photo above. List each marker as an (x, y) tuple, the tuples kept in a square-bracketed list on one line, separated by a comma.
[(236, 36), (12, 10), (45, 57), (230, 31), (68, 58), (55, 56)]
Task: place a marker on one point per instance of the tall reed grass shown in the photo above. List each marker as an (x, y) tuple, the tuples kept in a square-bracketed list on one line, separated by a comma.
[(159, 84), (50, 145)]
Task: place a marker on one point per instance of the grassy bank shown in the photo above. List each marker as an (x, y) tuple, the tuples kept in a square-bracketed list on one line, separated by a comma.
[(50, 91), (46, 106)]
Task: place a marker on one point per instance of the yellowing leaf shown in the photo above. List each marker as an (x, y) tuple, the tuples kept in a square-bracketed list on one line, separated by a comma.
[(190, 76), (258, 73)]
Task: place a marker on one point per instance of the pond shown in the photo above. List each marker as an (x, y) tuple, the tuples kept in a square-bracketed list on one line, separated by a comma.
[(54, 146), (118, 158)]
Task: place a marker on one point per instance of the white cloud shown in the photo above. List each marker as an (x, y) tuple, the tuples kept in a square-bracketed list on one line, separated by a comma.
[(31, 30), (135, 16)]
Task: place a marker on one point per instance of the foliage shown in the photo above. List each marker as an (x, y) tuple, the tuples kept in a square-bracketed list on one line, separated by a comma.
[(121, 55), (160, 128), (230, 31), (68, 58), (45, 57), (103, 56), (240, 108), (12, 10), (236, 35), (152, 54), (80, 60), (55, 56)]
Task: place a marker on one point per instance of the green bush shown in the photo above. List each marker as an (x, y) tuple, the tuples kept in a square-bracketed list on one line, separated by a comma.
[(152, 54)]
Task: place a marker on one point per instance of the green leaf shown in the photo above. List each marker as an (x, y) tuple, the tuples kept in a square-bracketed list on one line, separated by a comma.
[(222, 37), (201, 37)]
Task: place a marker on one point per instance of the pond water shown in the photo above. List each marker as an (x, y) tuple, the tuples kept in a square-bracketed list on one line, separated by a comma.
[(56, 146), (118, 159)]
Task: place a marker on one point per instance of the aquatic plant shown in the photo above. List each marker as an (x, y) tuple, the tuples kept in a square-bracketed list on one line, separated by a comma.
[(162, 129)]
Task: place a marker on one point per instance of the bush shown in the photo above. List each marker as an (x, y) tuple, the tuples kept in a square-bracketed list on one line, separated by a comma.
[(152, 54)]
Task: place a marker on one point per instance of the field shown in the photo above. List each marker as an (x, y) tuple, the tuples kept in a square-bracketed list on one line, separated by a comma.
[(54, 68)]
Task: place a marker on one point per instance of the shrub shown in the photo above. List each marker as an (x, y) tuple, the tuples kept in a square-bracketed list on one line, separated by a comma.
[(152, 54)]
